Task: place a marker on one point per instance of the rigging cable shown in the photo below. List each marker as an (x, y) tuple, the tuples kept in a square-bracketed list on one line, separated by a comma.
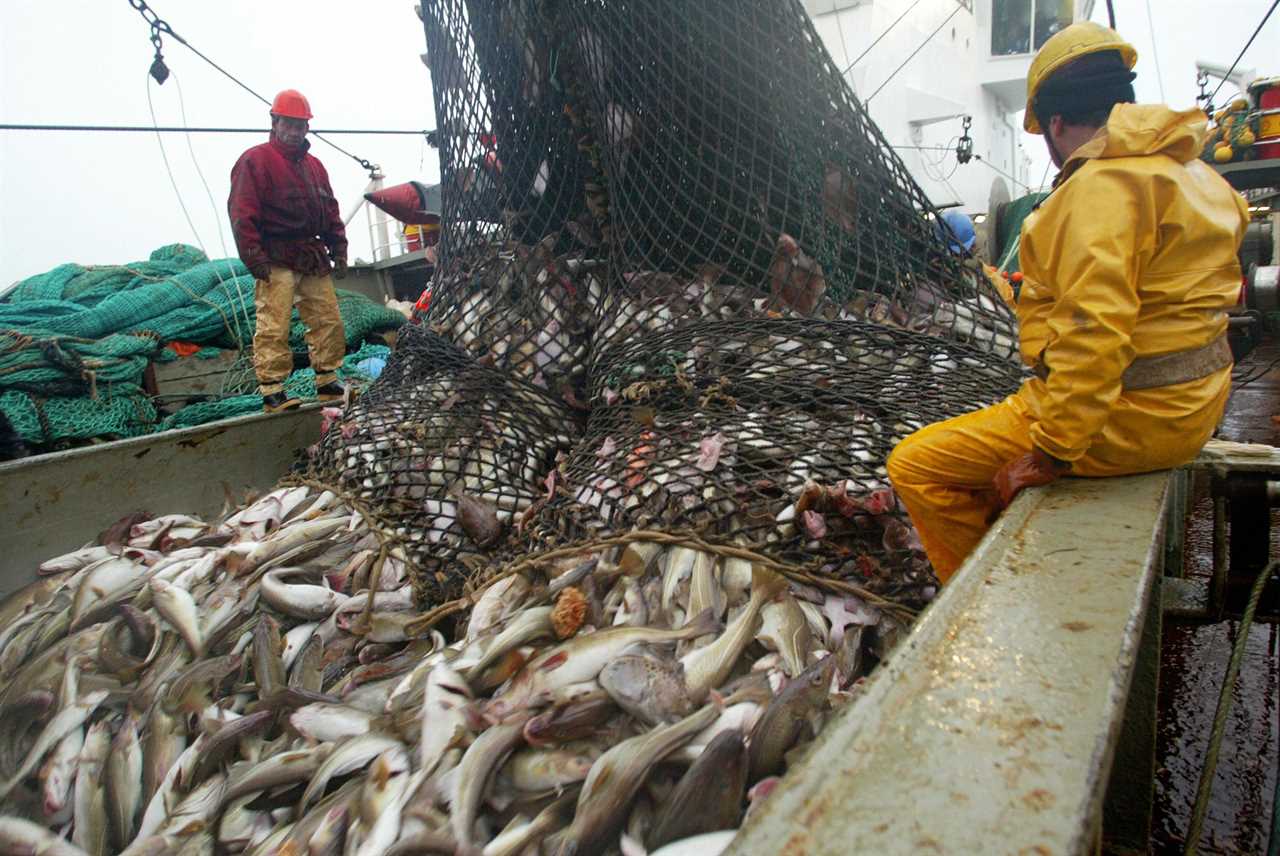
[(878, 38), (1155, 51), (217, 215), (844, 46), (169, 169), (1016, 181), (1223, 82), (159, 71), (237, 331), (978, 158), (928, 39)]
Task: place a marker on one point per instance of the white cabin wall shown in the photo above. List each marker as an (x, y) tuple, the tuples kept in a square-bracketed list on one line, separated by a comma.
[(946, 77)]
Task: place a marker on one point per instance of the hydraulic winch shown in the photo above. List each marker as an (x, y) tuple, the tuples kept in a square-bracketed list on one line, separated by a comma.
[(1259, 296)]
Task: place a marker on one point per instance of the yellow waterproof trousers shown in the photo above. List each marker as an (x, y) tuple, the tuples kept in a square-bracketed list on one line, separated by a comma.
[(318, 305), (943, 472)]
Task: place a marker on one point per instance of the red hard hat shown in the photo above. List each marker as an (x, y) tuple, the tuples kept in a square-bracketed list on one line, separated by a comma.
[(291, 103)]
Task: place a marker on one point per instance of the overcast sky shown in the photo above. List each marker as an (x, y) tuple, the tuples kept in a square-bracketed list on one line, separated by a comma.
[(106, 198), (99, 198)]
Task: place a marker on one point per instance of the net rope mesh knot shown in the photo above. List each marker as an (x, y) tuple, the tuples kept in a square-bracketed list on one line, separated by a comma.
[(685, 279)]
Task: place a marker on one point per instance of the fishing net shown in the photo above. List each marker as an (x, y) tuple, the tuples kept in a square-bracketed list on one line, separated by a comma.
[(120, 410), (677, 219), (772, 436), (70, 333), (301, 384), (437, 431)]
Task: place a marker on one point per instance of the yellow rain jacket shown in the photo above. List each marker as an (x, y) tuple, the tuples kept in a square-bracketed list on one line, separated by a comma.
[(1133, 255)]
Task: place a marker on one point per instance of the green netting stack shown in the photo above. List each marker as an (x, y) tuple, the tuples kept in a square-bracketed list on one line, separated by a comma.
[(301, 384), (75, 341)]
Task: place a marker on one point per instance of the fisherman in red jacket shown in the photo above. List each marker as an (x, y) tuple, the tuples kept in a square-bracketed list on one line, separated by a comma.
[(290, 235)]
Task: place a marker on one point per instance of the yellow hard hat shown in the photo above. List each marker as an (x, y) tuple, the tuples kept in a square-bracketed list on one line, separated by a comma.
[(1064, 47)]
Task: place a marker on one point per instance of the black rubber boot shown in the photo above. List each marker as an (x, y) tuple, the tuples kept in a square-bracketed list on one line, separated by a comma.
[(277, 401), (331, 391)]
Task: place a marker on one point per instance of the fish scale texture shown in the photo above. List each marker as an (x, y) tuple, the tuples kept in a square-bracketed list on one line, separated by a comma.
[(674, 225)]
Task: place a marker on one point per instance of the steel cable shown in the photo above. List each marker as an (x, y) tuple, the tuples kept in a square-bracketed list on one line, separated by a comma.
[(1205, 788)]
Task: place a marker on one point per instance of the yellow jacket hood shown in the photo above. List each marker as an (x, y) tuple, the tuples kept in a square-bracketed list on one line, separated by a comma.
[(1134, 130)]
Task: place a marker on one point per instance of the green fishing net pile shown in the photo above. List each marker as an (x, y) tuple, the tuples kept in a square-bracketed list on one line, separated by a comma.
[(75, 342)]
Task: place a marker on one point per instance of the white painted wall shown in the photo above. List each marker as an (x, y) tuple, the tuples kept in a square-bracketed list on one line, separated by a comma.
[(945, 78)]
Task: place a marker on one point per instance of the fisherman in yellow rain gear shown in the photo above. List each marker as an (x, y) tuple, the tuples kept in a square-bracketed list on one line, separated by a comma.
[(1129, 267)]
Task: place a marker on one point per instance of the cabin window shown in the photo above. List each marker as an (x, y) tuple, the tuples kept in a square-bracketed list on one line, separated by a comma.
[(1022, 26)]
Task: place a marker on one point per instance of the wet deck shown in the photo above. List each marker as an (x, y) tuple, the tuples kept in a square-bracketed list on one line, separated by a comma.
[(1194, 662)]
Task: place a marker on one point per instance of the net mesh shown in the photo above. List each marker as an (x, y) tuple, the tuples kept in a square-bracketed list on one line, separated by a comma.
[(75, 343), (674, 226)]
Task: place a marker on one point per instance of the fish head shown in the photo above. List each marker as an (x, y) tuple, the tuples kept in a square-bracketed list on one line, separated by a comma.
[(535, 727), (809, 689), (628, 676)]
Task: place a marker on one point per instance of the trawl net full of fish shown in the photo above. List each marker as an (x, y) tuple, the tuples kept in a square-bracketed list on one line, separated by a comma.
[(266, 684), (684, 283)]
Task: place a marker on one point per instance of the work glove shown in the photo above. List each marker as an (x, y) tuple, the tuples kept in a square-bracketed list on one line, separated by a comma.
[(261, 271), (1033, 469), (340, 269)]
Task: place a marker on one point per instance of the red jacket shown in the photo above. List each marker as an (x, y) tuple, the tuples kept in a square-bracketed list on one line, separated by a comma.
[(283, 210)]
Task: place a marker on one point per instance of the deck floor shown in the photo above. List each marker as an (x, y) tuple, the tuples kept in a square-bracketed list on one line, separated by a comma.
[(1194, 662)]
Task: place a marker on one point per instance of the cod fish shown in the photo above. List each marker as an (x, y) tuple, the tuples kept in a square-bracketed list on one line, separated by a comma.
[(572, 720), (481, 760), (785, 629), (708, 796), (582, 657), (67, 720), (707, 667), (90, 799), (479, 519), (615, 778), (18, 835), (785, 720)]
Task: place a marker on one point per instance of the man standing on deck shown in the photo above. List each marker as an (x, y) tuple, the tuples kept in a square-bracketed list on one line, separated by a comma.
[(1129, 267), (289, 234)]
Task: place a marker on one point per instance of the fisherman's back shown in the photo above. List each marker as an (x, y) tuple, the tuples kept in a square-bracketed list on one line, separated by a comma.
[(1132, 256)]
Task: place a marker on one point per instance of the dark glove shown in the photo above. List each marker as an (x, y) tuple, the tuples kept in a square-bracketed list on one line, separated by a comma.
[(340, 269), (261, 271), (1033, 469)]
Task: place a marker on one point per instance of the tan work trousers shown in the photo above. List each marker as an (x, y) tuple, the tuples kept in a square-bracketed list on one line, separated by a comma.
[(318, 305)]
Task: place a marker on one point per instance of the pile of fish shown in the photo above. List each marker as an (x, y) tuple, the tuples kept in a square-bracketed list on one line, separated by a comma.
[(442, 431), (522, 308), (266, 684), (782, 387), (546, 316)]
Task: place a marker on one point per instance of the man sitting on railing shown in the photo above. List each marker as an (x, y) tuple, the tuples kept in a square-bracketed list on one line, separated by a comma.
[(1130, 266)]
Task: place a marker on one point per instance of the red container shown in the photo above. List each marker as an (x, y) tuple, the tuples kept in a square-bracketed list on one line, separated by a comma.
[(1265, 93), (1268, 143)]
